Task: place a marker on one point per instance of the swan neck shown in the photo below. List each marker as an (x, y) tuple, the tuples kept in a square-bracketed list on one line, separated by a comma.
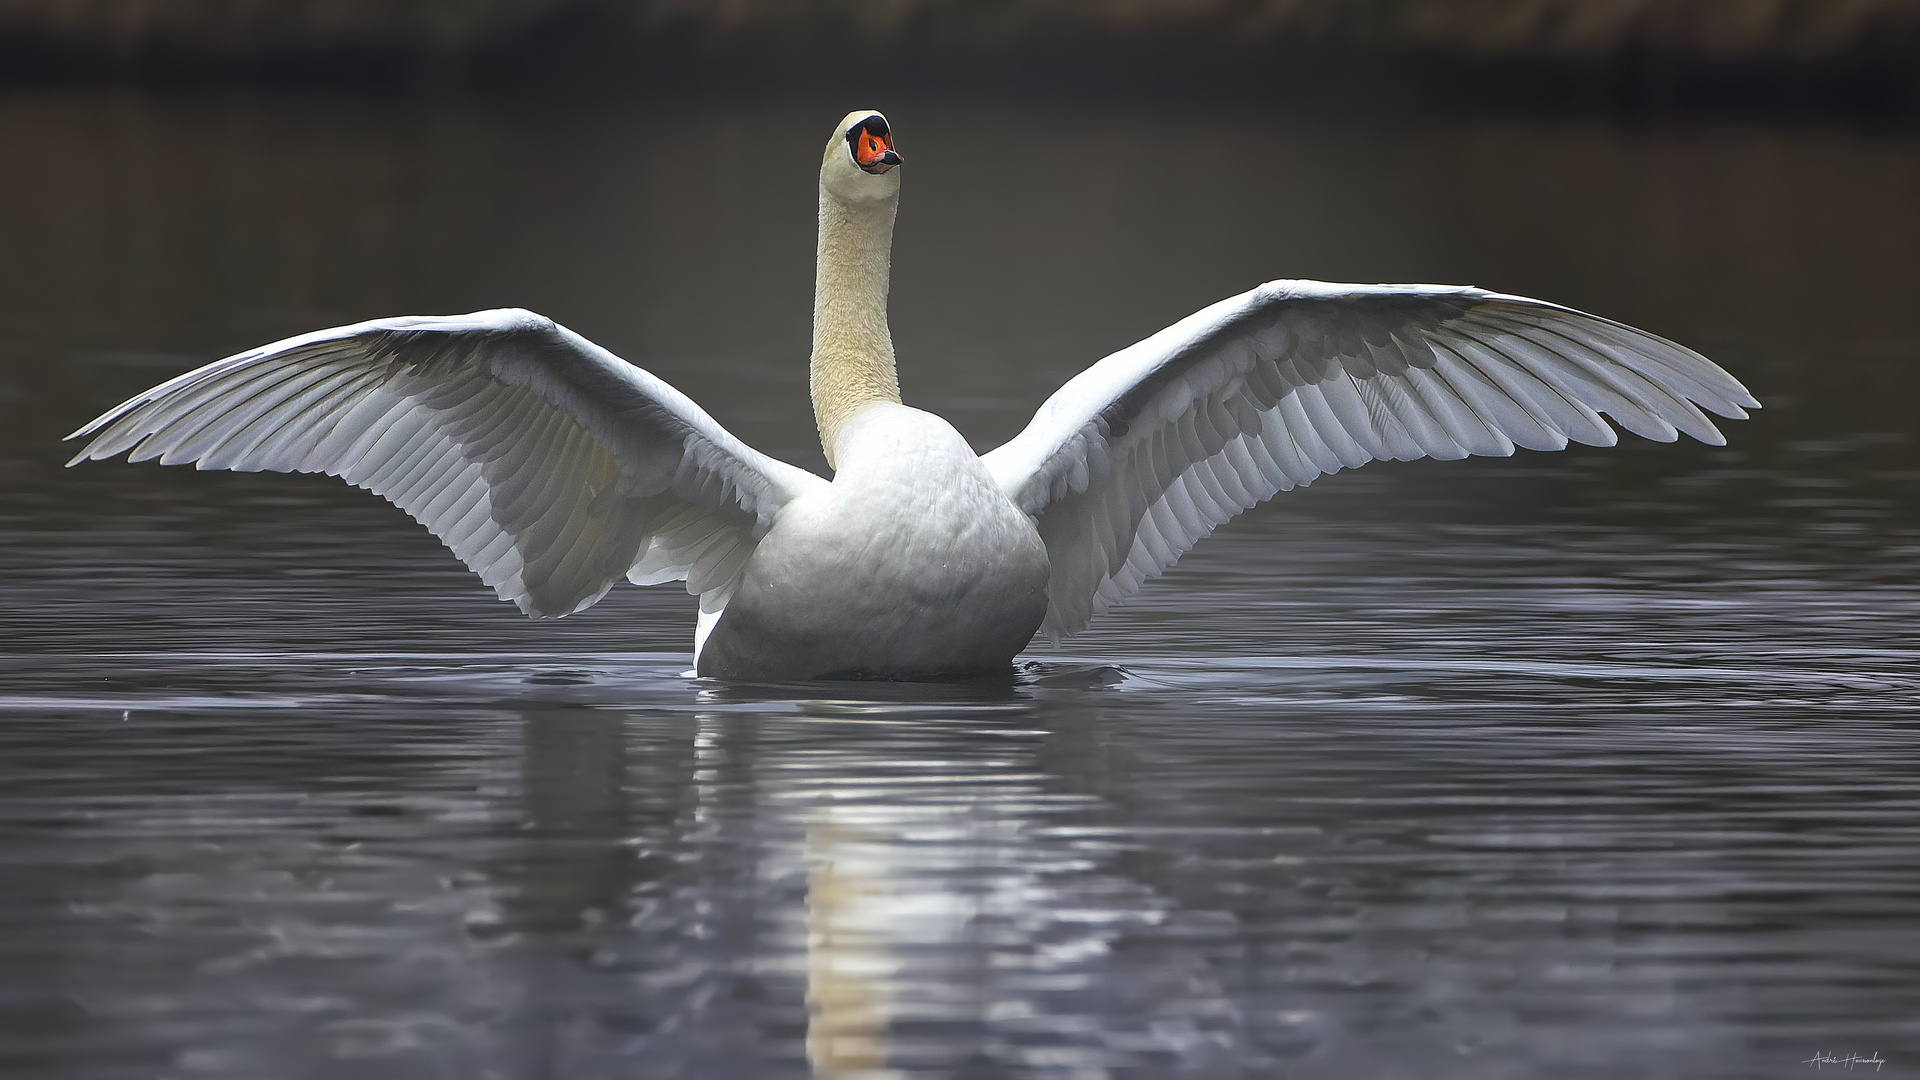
[(852, 362)]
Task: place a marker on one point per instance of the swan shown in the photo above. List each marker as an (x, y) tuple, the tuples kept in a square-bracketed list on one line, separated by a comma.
[(554, 469)]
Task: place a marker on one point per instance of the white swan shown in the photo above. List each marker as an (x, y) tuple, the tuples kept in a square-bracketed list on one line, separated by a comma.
[(554, 469)]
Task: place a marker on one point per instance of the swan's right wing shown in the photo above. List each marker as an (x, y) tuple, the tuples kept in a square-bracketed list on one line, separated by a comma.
[(550, 466), (1136, 458)]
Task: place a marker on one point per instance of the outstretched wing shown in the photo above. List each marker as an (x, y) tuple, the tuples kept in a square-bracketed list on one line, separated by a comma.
[(1135, 459), (550, 466)]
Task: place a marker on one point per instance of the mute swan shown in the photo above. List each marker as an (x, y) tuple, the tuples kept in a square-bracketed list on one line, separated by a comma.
[(554, 469)]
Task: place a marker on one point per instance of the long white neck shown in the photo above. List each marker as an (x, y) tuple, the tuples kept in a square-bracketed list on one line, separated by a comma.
[(852, 361)]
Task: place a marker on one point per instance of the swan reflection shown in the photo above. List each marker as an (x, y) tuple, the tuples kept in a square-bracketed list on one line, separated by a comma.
[(855, 893), (953, 899), (849, 963)]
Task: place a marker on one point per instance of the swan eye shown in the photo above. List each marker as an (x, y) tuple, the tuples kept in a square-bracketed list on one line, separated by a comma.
[(872, 146)]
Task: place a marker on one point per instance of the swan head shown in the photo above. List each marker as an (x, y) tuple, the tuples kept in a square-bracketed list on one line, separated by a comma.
[(860, 159)]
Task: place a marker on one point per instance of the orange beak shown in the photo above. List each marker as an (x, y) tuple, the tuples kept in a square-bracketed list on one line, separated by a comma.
[(875, 152)]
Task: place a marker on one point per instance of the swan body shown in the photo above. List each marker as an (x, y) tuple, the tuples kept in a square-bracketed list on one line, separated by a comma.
[(554, 469), (845, 579)]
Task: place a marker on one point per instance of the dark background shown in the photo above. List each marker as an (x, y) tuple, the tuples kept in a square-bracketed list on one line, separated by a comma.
[(1853, 57)]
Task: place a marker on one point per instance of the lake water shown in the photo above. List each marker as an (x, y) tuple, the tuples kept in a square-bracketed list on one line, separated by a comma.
[(1590, 764)]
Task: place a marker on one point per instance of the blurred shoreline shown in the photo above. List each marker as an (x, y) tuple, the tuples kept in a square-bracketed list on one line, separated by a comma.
[(1825, 57)]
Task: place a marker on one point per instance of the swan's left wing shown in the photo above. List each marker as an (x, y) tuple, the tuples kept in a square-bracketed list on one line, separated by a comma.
[(1135, 459), (550, 466)]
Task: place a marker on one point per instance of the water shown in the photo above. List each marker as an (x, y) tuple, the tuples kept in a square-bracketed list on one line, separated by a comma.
[(1593, 764)]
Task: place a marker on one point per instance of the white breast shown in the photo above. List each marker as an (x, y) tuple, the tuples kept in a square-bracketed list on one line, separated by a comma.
[(913, 563)]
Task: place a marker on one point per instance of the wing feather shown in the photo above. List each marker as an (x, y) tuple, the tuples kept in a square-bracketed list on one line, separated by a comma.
[(307, 425), (549, 466), (1137, 458)]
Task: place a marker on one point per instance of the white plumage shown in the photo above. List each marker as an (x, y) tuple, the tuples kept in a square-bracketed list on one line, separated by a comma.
[(554, 469), (1135, 459), (551, 467)]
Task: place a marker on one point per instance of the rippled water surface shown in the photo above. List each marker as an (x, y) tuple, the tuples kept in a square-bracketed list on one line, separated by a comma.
[(1591, 764)]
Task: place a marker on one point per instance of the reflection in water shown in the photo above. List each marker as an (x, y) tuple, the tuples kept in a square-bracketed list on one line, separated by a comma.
[(1133, 881), (848, 961), (944, 922), (931, 916), (1586, 764)]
